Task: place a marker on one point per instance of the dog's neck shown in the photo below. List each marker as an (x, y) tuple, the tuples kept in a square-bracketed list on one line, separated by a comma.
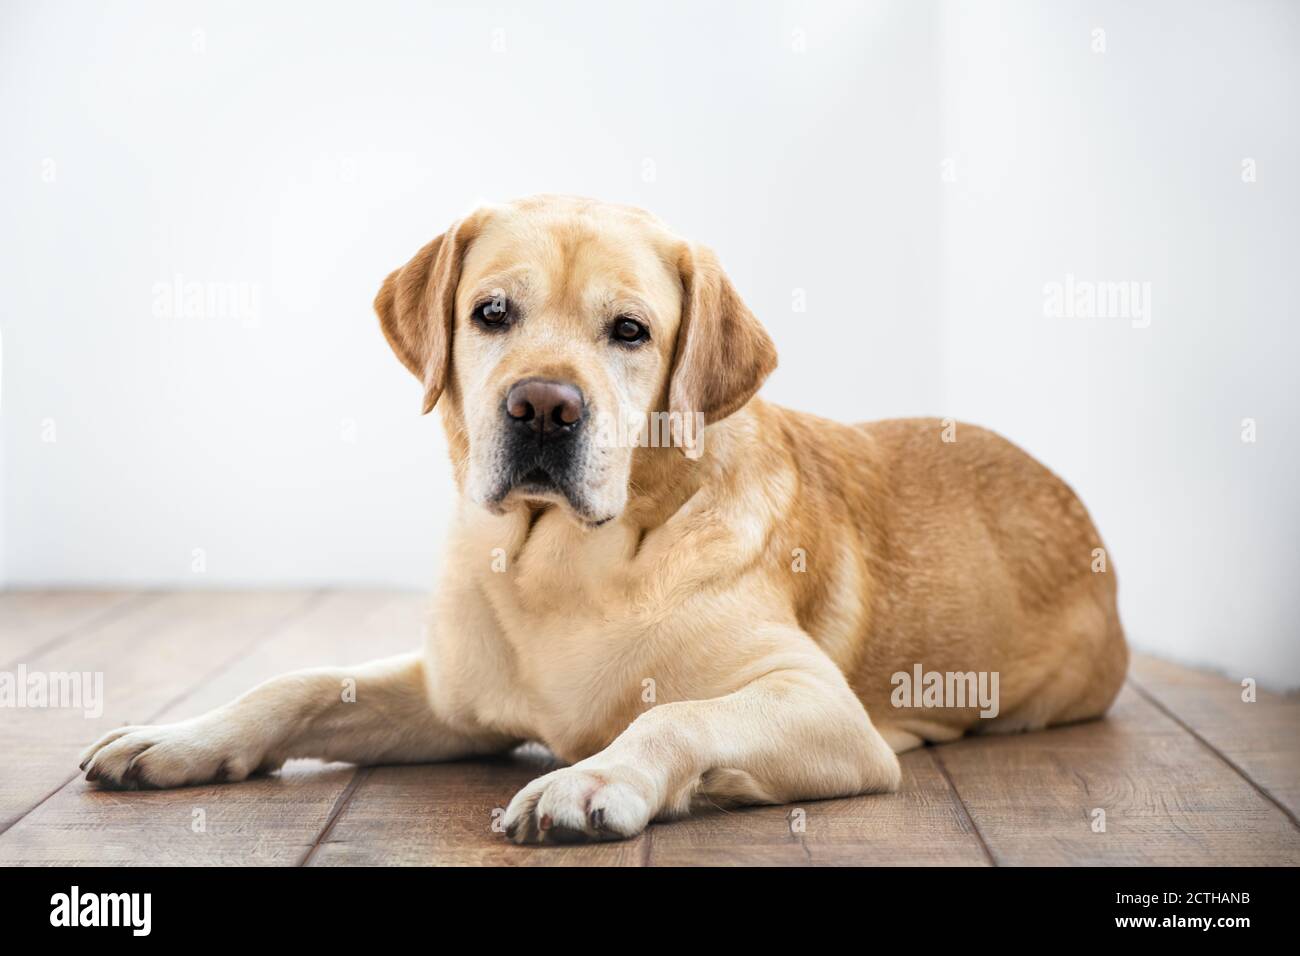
[(662, 480)]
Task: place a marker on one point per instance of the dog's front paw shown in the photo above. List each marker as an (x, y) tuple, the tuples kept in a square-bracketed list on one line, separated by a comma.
[(575, 805), (169, 755)]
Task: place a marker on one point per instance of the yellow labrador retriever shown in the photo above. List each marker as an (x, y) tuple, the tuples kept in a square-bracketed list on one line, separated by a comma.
[(763, 609)]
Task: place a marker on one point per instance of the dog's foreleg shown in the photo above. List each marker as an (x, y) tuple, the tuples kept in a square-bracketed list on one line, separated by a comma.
[(795, 732), (376, 713)]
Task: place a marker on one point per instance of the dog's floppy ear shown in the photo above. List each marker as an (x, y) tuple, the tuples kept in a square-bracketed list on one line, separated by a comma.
[(417, 307), (723, 352)]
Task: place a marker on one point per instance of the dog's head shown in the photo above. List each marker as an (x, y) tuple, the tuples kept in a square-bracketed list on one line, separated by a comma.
[(563, 336)]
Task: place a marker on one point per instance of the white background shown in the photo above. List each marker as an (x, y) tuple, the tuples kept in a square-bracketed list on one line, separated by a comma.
[(918, 170)]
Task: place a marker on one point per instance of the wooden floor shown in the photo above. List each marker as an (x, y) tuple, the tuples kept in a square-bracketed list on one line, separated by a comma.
[(1184, 771)]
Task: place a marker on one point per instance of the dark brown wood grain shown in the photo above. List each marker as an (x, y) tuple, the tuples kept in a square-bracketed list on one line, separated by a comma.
[(1168, 799), (1260, 738), (35, 621), (449, 815)]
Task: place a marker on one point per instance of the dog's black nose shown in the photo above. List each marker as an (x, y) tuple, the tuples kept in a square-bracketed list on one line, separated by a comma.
[(546, 408)]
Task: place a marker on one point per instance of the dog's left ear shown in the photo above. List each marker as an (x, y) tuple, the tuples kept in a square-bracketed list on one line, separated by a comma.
[(723, 353), (417, 307)]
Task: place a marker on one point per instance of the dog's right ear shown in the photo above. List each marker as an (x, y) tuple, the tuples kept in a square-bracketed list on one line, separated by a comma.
[(417, 307), (723, 352)]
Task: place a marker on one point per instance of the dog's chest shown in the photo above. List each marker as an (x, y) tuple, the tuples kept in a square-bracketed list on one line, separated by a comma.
[(566, 635), (580, 636), (579, 670)]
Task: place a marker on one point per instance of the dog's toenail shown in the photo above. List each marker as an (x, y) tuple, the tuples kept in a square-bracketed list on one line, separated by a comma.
[(545, 822)]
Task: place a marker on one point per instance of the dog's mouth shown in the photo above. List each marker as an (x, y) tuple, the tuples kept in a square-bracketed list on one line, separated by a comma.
[(559, 472), (540, 484), (537, 479)]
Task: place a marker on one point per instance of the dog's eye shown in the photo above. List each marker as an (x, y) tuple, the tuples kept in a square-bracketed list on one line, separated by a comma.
[(493, 312), (629, 331)]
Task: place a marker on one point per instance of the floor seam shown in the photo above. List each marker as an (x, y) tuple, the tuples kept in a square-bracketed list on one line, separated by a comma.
[(106, 616), (340, 805), (312, 600), (1259, 788), (35, 806), (961, 804), (96, 620)]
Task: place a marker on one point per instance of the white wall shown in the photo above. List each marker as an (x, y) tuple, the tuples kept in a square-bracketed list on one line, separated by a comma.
[(306, 153), (303, 152)]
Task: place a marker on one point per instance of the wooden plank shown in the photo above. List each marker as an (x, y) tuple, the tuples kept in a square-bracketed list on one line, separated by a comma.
[(1168, 800), (1261, 739), (145, 659), (34, 621), (923, 824), (442, 815), (267, 821)]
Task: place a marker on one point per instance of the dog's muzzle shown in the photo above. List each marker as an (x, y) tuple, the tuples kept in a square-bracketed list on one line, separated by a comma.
[(544, 437)]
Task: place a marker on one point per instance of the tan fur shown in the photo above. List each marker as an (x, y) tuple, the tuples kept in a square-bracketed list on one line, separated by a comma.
[(674, 649)]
